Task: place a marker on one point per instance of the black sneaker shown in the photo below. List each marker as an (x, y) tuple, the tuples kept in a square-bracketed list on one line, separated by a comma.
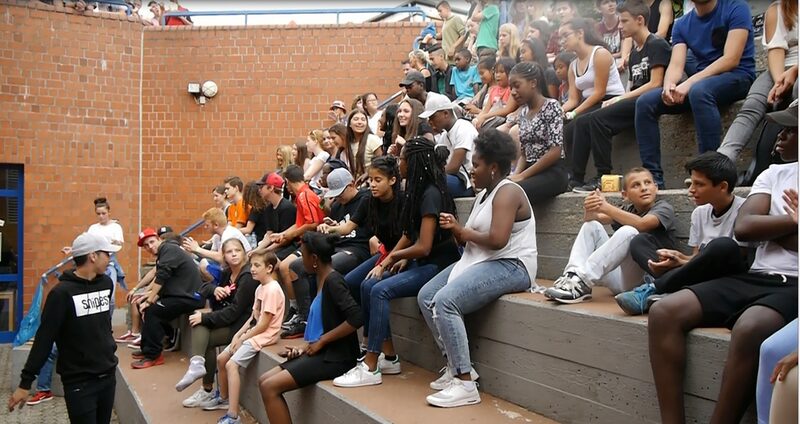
[(295, 331), (294, 319), (574, 183), (592, 185), (174, 342), (569, 290), (291, 315)]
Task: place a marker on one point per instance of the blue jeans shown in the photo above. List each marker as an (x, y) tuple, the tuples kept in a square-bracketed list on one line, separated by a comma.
[(376, 294), (704, 99), (444, 305), (355, 277), (457, 188), (778, 345), (44, 381)]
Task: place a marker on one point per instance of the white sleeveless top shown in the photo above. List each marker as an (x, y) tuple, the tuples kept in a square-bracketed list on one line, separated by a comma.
[(783, 39), (521, 244), (585, 82)]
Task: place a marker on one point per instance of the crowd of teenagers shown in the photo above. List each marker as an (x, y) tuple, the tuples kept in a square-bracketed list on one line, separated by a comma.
[(149, 13), (362, 212)]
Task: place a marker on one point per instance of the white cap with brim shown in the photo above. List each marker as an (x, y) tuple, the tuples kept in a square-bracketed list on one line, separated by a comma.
[(437, 104), (786, 117), (87, 243)]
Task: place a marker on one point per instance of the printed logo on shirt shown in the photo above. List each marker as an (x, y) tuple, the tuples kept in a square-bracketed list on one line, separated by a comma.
[(342, 222), (640, 70), (92, 303)]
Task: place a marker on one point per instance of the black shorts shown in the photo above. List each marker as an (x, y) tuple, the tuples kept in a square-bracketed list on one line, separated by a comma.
[(724, 299), (307, 370), (284, 252)]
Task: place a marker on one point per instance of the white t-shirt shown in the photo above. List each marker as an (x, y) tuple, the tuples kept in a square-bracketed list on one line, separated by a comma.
[(772, 258), (111, 231), (319, 157), (461, 136), (229, 233), (706, 227), (374, 120)]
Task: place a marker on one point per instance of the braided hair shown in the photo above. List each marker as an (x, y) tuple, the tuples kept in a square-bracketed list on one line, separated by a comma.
[(531, 71), (425, 164), (387, 166)]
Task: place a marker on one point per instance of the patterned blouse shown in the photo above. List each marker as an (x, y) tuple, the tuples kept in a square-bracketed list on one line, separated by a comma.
[(542, 131)]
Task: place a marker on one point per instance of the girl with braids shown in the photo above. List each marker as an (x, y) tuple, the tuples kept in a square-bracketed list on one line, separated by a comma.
[(533, 50), (499, 258), (364, 145), (593, 76), (380, 214), (423, 250), (407, 124), (540, 170)]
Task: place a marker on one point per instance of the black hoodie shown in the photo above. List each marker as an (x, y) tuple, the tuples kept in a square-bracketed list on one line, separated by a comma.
[(76, 316), (237, 308)]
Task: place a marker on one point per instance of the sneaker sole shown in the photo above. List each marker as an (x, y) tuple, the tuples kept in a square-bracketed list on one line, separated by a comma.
[(31, 403), (445, 404), (628, 311), (391, 372), (215, 407), (152, 364), (358, 384), (573, 301)]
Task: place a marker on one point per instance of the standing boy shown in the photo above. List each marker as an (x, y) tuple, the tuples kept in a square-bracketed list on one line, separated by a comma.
[(76, 318), (488, 20), (596, 258), (647, 62)]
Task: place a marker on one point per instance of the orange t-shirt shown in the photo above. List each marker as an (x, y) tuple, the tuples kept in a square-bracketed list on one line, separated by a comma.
[(237, 214), (308, 209)]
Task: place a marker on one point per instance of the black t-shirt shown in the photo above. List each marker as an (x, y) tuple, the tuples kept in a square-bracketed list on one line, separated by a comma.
[(358, 240), (385, 228), (655, 18), (259, 218), (277, 219), (661, 209), (655, 52), (444, 251)]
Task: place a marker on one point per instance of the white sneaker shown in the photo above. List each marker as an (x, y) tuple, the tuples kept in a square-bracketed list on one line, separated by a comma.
[(359, 376), (444, 380), (136, 343), (389, 367), (199, 397), (196, 371), (458, 393)]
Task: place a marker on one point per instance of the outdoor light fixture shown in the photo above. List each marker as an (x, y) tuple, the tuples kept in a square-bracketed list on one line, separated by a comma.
[(202, 92)]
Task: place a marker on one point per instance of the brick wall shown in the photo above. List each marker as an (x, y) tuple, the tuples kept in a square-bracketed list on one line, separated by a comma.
[(69, 111)]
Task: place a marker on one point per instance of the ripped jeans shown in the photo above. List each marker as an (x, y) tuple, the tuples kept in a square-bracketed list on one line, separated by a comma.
[(444, 305)]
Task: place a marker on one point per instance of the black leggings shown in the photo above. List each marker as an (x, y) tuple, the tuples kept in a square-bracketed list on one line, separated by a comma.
[(91, 401), (718, 258), (547, 184)]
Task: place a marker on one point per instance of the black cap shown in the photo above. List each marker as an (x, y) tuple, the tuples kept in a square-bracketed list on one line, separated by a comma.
[(412, 77), (163, 230)]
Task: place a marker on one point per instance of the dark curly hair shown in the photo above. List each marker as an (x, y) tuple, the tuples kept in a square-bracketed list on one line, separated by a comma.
[(322, 245), (495, 146), (425, 163)]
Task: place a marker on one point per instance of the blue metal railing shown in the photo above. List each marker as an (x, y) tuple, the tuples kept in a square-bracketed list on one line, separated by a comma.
[(30, 322), (411, 10)]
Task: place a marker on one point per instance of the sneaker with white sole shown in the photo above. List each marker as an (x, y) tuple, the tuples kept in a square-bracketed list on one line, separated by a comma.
[(199, 397), (359, 376), (215, 403), (127, 337), (388, 367), (136, 344), (569, 290), (458, 393), (444, 380), (196, 371)]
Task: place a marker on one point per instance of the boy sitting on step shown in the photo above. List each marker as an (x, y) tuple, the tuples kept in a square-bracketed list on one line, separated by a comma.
[(596, 258), (715, 252), (268, 310)]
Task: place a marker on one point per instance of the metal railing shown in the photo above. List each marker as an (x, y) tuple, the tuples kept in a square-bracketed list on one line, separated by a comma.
[(411, 10), (391, 99)]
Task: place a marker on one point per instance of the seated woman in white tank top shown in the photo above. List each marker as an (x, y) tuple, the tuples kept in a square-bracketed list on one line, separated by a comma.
[(593, 76), (499, 258)]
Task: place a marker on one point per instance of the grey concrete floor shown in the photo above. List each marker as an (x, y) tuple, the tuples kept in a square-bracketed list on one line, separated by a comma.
[(52, 412)]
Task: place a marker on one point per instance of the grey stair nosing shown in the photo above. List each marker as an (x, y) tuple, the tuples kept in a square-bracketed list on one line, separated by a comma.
[(129, 407)]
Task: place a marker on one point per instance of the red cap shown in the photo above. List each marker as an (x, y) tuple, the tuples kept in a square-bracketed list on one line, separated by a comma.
[(271, 179), (146, 233)]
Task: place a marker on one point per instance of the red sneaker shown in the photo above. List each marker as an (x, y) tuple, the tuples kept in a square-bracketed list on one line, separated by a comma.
[(147, 363), (40, 397), (127, 337)]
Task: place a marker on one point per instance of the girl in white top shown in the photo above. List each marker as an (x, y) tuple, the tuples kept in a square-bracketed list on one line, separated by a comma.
[(318, 158), (364, 145), (780, 41), (499, 258), (112, 231), (370, 104)]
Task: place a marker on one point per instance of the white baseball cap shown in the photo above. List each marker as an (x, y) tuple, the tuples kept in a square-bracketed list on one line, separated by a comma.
[(87, 243)]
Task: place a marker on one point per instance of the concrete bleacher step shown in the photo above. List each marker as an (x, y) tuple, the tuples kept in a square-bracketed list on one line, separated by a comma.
[(148, 396), (572, 363)]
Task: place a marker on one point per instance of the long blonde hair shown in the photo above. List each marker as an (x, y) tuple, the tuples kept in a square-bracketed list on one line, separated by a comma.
[(513, 41), (286, 152)]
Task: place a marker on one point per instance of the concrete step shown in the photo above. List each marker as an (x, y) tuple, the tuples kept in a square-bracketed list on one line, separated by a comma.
[(572, 363), (559, 220), (148, 396)]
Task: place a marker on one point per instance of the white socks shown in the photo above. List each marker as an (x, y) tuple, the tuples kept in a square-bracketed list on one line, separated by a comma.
[(196, 371)]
